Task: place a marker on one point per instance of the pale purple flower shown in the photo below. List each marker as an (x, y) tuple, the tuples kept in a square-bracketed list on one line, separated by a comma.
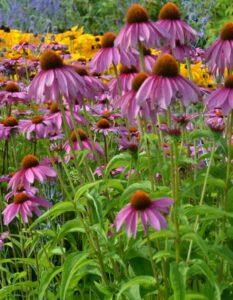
[(104, 126), (150, 212), (219, 55), (139, 29), (55, 80), (177, 29), (126, 77), (8, 128), (31, 171), (3, 237), (84, 143), (93, 86), (24, 46), (165, 85), (38, 127), (24, 204), (54, 46), (222, 97), (12, 94), (109, 54), (180, 52), (55, 116)]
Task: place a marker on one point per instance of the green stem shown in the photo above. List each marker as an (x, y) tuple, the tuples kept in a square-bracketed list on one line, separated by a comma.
[(190, 75), (117, 79), (153, 266), (141, 57), (196, 223)]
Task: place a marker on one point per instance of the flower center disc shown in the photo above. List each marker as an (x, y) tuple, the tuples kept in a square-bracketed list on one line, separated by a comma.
[(54, 108), (165, 66), (136, 14), (126, 70), (169, 12), (20, 198), (108, 40), (30, 161), (229, 82), (82, 135), (103, 124), (81, 71), (138, 80), (50, 60), (37, 120), (140, 200), (12, 87), (227, 32), (10, 122), (133, 147), (106, 113)]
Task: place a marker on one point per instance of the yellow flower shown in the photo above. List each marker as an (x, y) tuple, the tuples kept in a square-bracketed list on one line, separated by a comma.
[(200, 74)]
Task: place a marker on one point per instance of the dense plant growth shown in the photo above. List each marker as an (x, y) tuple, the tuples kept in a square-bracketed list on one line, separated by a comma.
[(116, 152)]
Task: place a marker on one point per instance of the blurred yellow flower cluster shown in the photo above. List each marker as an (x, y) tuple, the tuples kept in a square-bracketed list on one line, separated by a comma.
[(82, 46), (200, 74)]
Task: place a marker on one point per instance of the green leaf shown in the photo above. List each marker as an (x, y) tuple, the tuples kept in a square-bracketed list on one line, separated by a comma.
[(45, 280), (71, 265), (55, 211), (197, 239), (202, 267), (211, 212), (7, 290), (120, 160), (163, 254), (85, 188), (70, 226), (177, 279), (145, 281), (224, 252), (194, 296), (200, 133)]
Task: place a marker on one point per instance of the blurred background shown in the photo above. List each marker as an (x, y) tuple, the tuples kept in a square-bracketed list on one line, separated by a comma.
[(98, 16)]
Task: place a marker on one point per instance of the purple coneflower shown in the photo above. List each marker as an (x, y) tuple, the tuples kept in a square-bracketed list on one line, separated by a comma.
[(55, 116), (85, 143), (127, 102), (151, 212), (12, 94), (55, 80), (25, 205), (108, 54), (180, 52), (24, 46), (149, 60), (93, 86), (178, 30), (125, 77), (216, 124), (3, 237), (129, 143), (8, 127), (139, 29), (54, 46), (31, 170), (166, 84), (37, 126), (222, 97), (21, 112), (219, 55), (104, 126), (104, 111)]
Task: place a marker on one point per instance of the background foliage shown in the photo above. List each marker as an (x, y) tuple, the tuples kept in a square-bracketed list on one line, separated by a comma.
[(99, 16)]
